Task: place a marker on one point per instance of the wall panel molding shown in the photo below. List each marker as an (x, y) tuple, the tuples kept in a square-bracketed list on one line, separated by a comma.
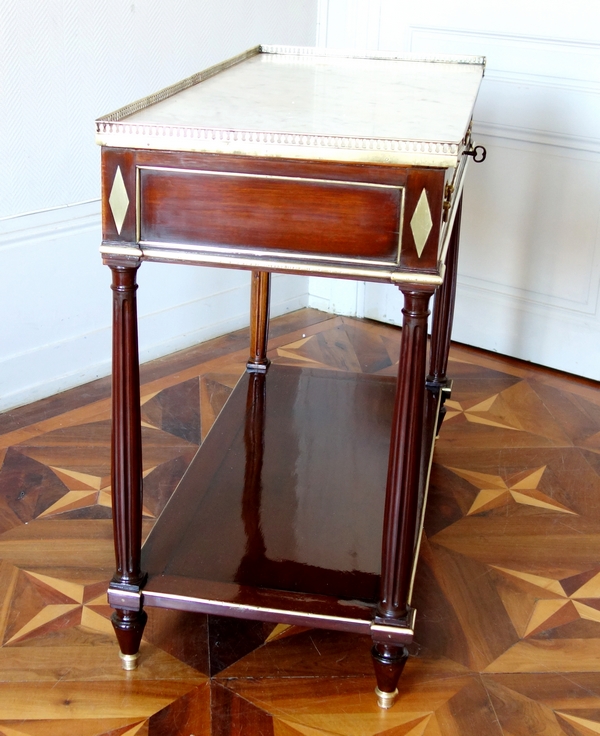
[(481, 319), (537, 137), (64, 64), (349, 23), (47, 224), (47, 369), (57, 295), (529, 281), (543, 90), (532, 227), (520, 57)]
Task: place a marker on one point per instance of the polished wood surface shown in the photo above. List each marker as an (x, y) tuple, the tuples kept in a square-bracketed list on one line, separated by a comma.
[(379, 222), (126, 452), (260, 296), (508, 641), (312, 209), (285, 212), (284, 472), (432, 182), (400, 521)]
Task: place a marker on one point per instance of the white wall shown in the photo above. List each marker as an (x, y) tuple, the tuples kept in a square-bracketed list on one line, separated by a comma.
[(62, 64), (530, 263), (529, 280)]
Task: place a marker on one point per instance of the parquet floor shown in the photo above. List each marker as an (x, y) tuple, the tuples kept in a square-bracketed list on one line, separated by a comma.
[(508, 589)]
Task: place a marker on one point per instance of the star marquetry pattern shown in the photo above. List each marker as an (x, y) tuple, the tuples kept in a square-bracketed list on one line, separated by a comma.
[(582, 726), (294, 351), (555, 602), (483, 412), (507, 590), (495, 492), (85, 490), (60, 604)]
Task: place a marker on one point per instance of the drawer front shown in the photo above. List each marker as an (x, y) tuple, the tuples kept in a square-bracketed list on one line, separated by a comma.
[(314, 218)]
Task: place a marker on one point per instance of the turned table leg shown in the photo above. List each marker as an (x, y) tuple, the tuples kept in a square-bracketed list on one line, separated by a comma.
[(401, 505), (259, 320), (126, 473)]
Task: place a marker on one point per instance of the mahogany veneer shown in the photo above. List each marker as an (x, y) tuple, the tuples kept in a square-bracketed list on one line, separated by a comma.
[(286, 479), (320, 216), (305, 502)]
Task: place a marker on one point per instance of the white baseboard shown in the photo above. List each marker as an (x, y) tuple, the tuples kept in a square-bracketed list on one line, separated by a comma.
[(509, 327), (51, 368), (337, 296)]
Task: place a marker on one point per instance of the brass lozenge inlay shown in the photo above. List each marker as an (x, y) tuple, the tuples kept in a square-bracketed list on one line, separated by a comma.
[(118, 200), (421, 222)]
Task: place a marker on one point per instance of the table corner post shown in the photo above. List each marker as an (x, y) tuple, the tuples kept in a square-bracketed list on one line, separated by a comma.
[(400, 528), (443, 317), (125, 587), (260, 296)]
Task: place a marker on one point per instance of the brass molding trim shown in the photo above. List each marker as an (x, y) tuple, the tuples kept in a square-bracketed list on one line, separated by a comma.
[(386, 700), (383, 632), (173, 89), (152, 598), (276, 144), (173, 252), (421, 520), (312, 51), (129, 662), (131, 251), (458, 182)]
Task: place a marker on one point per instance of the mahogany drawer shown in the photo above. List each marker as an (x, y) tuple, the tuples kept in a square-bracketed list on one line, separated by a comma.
[(312, 216)]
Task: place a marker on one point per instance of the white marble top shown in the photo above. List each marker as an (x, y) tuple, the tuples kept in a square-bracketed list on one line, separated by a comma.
[(300, 104)]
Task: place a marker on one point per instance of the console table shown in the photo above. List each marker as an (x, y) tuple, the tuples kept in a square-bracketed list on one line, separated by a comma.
[(302, 161)]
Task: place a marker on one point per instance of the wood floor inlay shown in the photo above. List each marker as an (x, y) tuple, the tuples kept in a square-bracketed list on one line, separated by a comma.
[(507, 590)]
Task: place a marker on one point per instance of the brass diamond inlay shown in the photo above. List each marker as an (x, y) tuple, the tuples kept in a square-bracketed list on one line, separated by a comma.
[(118, 200), (421, 222)]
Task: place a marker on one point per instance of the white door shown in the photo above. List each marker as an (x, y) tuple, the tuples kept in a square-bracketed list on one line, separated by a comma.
[(529, 272)]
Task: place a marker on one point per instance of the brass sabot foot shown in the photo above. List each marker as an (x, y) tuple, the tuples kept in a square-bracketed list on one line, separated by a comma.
[(129, 661), (386, 700)]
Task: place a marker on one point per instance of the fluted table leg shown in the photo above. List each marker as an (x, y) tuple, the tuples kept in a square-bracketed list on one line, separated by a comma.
[(401, 505), (259, 321), (126, 471)]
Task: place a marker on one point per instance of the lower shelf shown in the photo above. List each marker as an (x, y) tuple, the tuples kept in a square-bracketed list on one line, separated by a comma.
[(279, 516)]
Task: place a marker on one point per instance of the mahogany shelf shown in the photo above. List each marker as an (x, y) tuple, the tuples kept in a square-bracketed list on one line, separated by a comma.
[(280, 514)]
